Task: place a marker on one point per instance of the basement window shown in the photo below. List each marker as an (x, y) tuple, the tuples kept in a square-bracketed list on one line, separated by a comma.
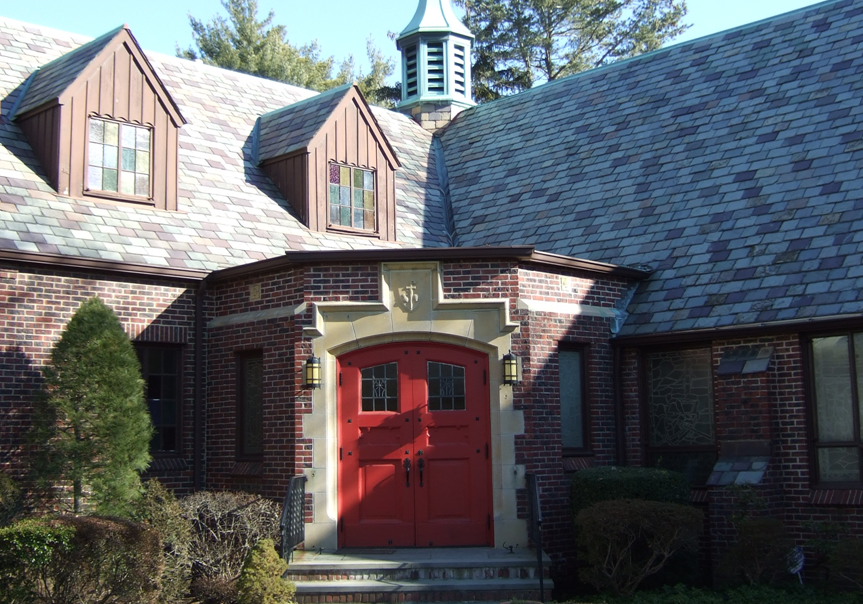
[(118, 158)]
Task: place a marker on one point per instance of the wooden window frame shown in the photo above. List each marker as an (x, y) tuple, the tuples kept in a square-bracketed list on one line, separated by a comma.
[(586, 448), (350, 229), (118, 194), (812, 412), (648, 450), (141, 348), (241, 406)]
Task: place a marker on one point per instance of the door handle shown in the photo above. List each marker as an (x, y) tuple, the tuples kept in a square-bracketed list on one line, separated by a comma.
[(421, 463), (407, 465)]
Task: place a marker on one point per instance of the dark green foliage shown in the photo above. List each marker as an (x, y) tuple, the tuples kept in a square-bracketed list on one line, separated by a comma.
[(160, 510), (520, 43), (91, 426), (11, 499), (760, 553), (593, 485), (846, 562), (746, 594), (79, 560), (225, 527), (261, 578), (622, 542)]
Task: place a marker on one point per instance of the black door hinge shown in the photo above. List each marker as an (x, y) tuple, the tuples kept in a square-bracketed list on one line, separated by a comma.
[(341, 451), (489, 521), (340, 378), (483, 377), (486, 450)]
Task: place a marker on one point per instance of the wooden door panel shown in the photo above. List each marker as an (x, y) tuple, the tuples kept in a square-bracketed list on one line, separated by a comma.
[(446, 429)]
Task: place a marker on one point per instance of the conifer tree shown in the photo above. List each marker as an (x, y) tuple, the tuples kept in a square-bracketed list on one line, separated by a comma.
[(91, 425)]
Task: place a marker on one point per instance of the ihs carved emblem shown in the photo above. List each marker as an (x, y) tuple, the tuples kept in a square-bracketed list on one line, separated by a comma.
[(409, 296)]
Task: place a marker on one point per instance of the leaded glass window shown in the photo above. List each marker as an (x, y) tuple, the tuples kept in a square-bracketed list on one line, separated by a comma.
[(251, 404), (352, 197), (118, 158), (446, 387), (572, 411), (680, 423), (160, 370), (380, 387), (837, 377)]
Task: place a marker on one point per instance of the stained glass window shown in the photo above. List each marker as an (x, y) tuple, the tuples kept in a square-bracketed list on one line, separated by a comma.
[(380, 388), (118, 158), (160, 369), (352, 197), (837, 379), (680, 412), (571, 384), (251, 404), (446, 387)]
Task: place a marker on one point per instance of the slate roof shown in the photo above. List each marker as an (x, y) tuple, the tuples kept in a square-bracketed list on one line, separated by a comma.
[(291, 128), (52, 79), (229, 213), (730, 164)]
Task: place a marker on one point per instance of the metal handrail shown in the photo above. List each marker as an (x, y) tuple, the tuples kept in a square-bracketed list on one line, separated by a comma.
[(293, 522), (535, 527)]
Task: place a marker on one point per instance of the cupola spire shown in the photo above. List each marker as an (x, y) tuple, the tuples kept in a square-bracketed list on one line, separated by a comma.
[(435, 49)]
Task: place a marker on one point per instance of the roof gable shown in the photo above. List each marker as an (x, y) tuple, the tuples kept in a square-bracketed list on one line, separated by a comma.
[(60, 79), (300, 126)]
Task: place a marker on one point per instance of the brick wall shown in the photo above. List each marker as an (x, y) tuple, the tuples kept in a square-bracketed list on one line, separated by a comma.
[(35, 306)]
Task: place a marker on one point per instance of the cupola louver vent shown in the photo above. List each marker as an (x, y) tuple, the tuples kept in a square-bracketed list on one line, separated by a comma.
[(411, 70), (435, 71), (459, 79)]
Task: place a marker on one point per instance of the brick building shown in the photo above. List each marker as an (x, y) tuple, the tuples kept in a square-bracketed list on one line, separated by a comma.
[(669, 247)]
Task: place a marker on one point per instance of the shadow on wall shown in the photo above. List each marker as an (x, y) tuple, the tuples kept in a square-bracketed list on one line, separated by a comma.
[(19, 383)]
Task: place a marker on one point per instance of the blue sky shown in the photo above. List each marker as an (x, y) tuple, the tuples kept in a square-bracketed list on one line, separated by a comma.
[(340, 26)]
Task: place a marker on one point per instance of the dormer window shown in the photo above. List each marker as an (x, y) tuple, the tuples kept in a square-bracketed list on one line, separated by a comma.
[(352, 197), (118, 158)]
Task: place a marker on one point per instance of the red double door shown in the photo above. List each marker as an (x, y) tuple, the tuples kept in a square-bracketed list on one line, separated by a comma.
[(414, 457)]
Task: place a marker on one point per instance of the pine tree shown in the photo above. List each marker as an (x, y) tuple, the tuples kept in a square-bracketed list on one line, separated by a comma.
[(91, 425), (520, 43)]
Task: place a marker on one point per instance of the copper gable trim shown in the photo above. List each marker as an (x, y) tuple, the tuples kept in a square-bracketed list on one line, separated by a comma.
[(110, 42), (521, 253), (798, 326), (102, 266)]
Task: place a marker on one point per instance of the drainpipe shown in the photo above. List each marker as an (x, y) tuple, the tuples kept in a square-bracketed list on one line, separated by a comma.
[(197, 452), (619, 414)]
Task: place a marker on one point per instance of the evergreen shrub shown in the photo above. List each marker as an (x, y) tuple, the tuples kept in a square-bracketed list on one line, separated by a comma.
[(846, 562), (11, 499), (605, 483), (261, 578), (160, 510), (623, 542), (79, 560)]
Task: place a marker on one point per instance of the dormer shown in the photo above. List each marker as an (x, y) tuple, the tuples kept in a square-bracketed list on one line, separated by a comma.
[(329, 158), (436, 78), (103, 125)]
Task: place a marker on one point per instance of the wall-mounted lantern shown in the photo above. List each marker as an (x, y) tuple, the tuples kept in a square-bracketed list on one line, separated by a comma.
[(312, 372), (510, 368)]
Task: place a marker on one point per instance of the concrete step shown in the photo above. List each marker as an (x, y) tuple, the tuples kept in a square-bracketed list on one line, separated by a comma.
[(410, 575)]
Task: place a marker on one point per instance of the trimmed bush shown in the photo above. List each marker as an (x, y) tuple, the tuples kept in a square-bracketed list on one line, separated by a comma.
[(846, 561), (623, 542), (225, 528), (760, 553), (159, 509), (214, 590), (261, 578), (11, 499), (606, 483), (79, 560)]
